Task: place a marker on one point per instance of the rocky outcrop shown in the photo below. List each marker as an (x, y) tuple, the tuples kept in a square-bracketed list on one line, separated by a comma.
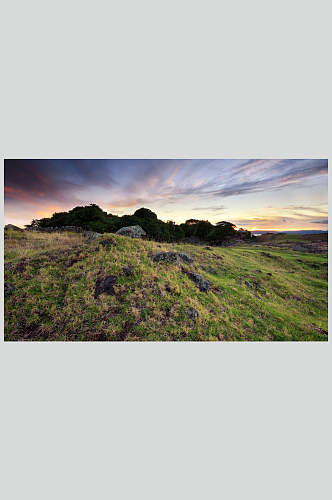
[(132, 231), (172, 257), (203, 284), (105, 285), (166, 257), (185, 257)]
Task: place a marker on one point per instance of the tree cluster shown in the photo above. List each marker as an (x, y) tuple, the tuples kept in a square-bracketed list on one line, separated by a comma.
[(93, 218)]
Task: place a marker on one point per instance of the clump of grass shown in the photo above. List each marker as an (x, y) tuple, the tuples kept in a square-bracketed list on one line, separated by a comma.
[(54, 278)]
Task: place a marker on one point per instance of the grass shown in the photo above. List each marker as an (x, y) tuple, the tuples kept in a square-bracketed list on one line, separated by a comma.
[(54, 277)]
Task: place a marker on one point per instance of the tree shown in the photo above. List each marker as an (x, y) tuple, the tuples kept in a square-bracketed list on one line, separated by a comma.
[(224, 230), (145, 213)]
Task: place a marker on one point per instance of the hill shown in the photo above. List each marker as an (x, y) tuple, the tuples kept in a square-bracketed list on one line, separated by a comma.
[(302, 231), (59, 287)]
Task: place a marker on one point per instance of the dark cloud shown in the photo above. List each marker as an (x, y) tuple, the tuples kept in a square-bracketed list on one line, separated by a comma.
[(125, 184), (323, 221)]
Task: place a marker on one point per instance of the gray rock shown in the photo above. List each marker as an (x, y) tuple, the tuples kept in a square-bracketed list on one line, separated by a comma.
[(169, 257), (185, 257), (91, 235), (191, 313), (132, 231), (172, 257), (202, 283), (105, 285)]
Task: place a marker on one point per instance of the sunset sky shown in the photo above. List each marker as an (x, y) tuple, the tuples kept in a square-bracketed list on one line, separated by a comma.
[(255, 194)]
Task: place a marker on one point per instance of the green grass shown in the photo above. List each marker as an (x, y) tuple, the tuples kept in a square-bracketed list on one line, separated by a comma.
[(54, 281)]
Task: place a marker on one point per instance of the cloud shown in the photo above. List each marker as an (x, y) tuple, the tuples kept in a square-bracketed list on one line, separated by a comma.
[(33, 185), (211, 209), (323, 221)]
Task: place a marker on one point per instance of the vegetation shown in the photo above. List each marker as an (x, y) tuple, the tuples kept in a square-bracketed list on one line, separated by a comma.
[(51, 280), (93, 218)]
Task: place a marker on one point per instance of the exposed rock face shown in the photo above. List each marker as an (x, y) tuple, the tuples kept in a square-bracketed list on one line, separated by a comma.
[(13, 228), (105, 285), (203, 284), (132, 231)]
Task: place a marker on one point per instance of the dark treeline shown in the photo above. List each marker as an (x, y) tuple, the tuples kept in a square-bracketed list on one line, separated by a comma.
[(93, 218)]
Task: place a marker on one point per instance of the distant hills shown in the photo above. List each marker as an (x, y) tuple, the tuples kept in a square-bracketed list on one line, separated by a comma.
[(303, 231)]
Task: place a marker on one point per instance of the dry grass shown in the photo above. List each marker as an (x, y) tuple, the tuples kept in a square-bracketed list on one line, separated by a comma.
[(22, 245)]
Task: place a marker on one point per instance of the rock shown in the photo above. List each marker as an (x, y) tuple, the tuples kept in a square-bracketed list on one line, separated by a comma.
[(255, 285), (107, 243), (9, 288), (13, 228), (185, 257), (320, 330), (202, 283), (301, 248), (128, 270), (105, 285), (172, 257), (166, 257), (132, 231), (191, 313), (266, 254), (91, 235)]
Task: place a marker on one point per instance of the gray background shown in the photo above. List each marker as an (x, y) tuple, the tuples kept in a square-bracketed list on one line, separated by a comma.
[(155, 79)]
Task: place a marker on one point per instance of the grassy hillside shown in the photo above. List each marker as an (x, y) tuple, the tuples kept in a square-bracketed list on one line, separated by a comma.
[(50, 287)]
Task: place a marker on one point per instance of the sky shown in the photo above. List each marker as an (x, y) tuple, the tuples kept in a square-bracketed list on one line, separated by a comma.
[(280, 194)]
